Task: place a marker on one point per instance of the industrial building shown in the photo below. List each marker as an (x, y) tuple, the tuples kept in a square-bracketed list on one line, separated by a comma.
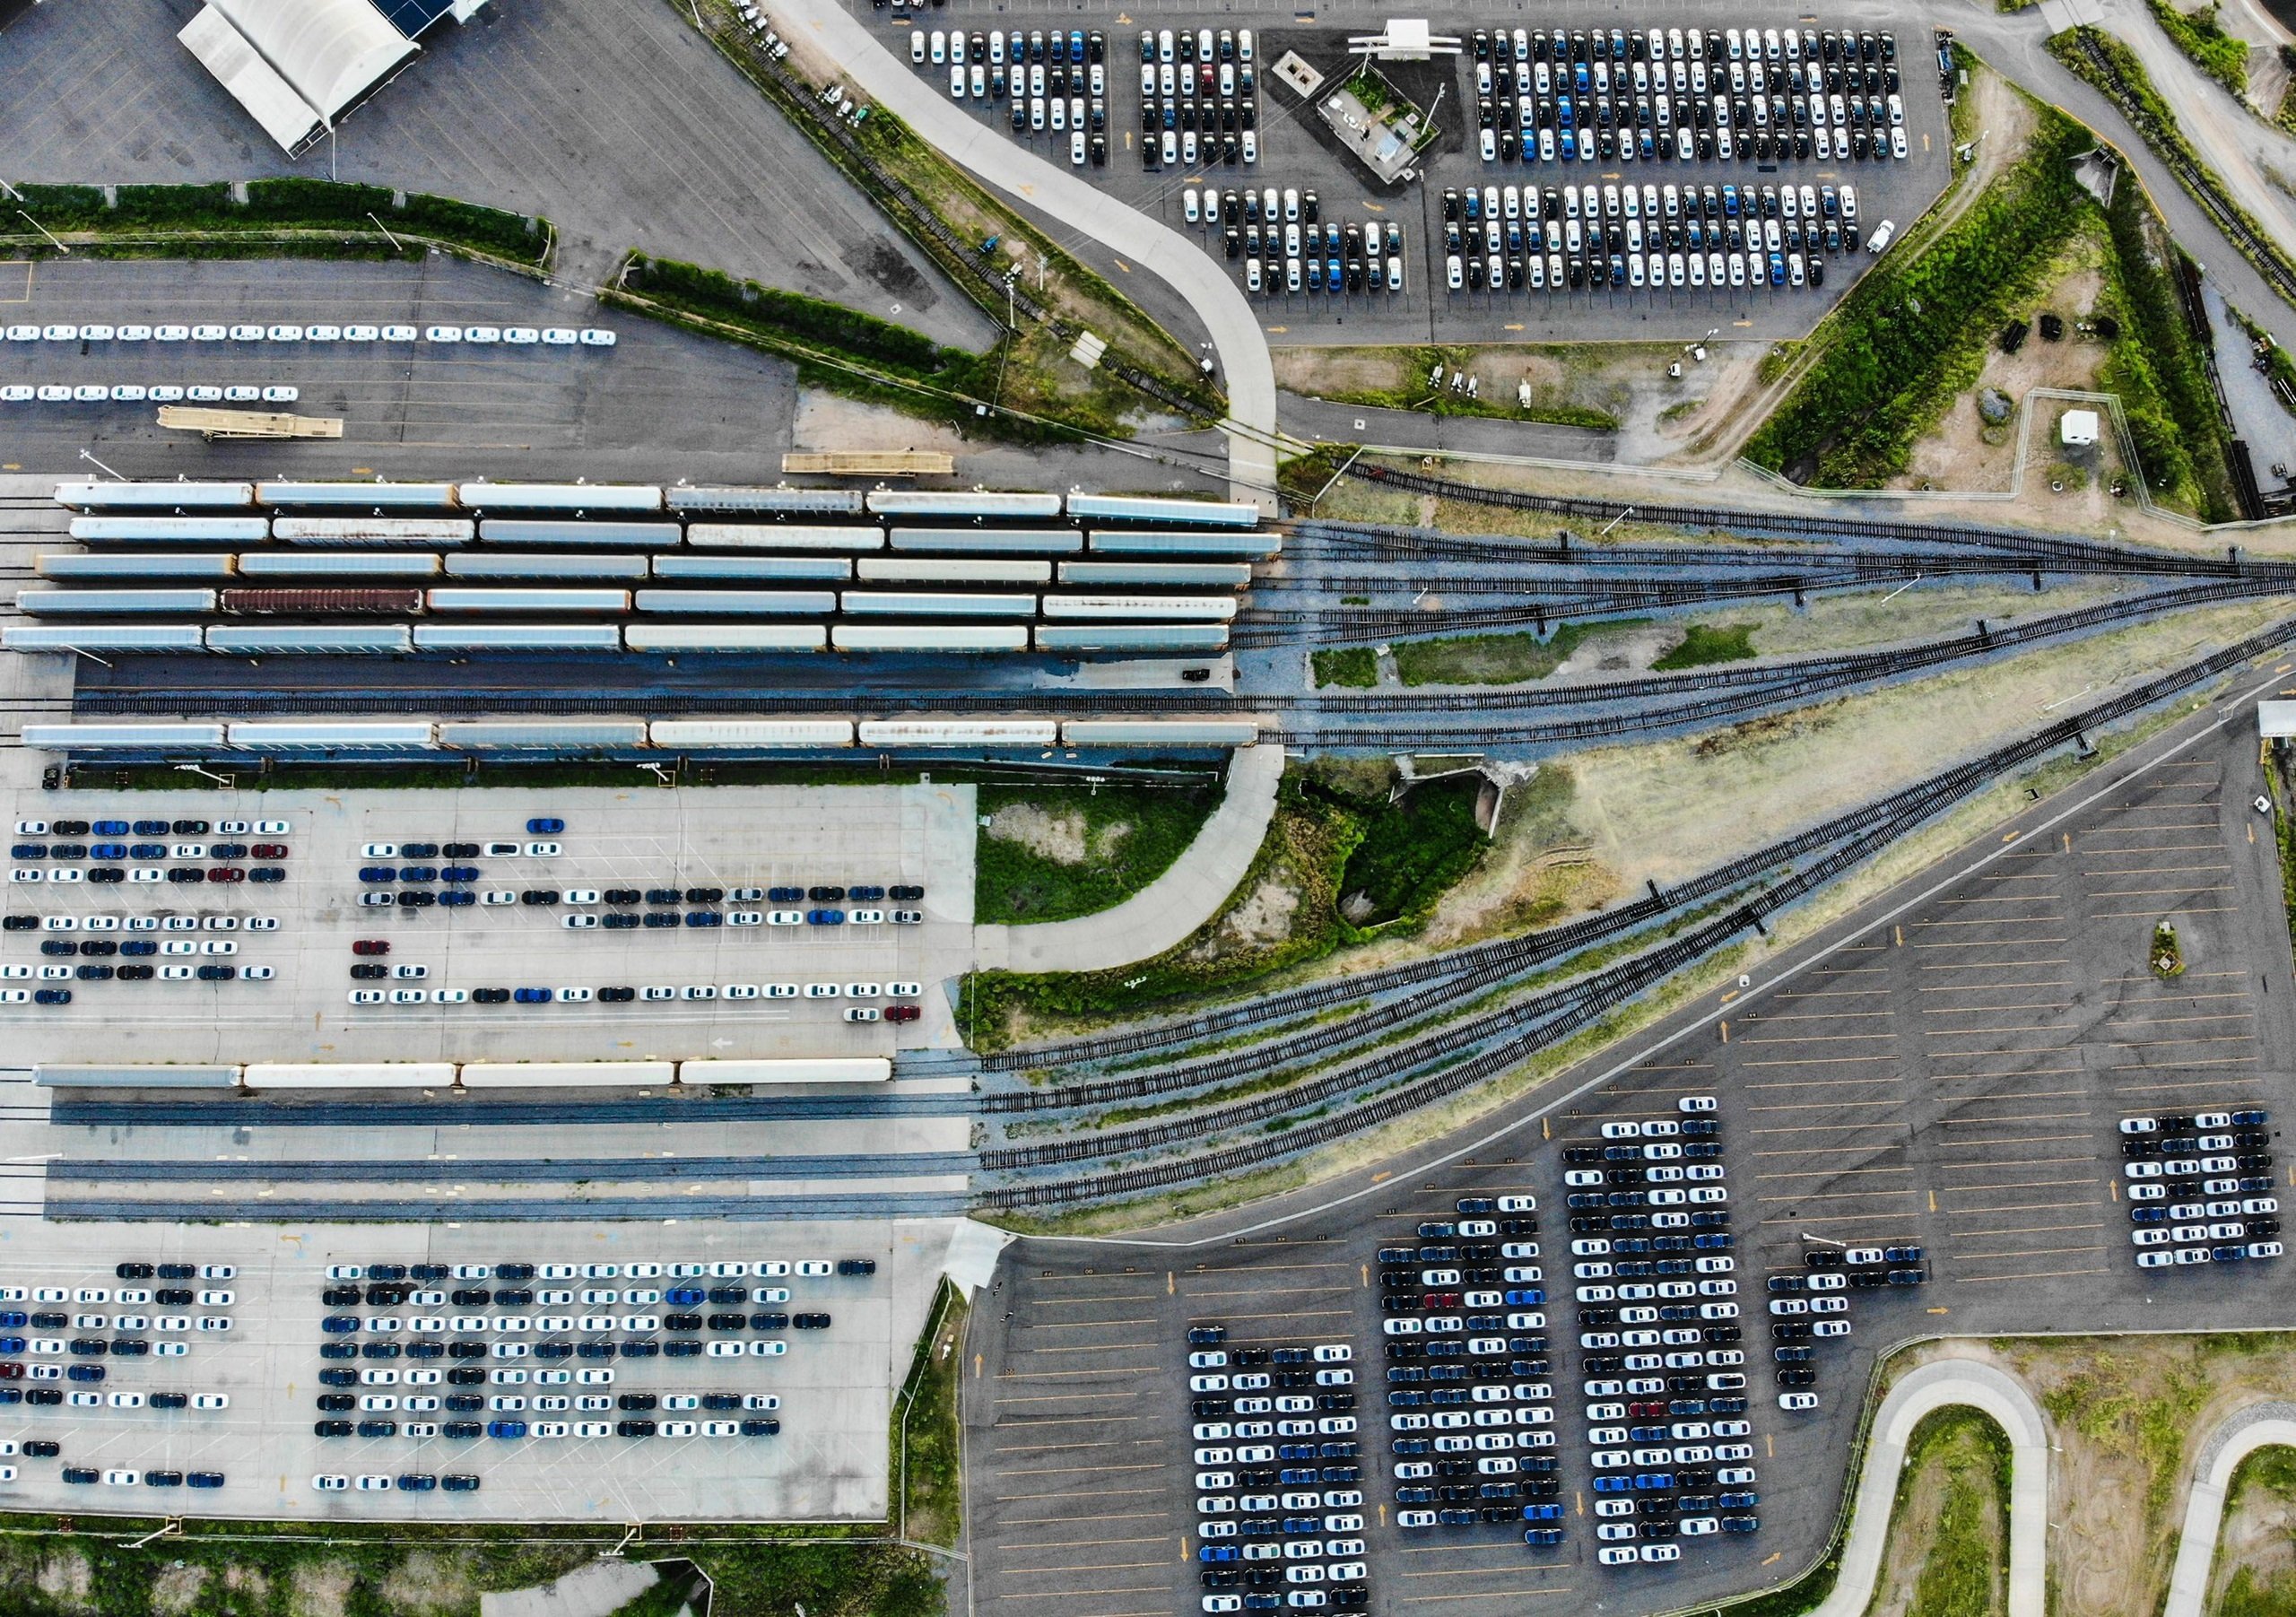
[(299, 67)]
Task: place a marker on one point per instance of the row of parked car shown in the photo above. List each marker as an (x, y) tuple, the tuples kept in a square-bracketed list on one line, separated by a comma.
[(626, 993), (2200, 1186), (1279, 1468), (517, 337), (96, 952)]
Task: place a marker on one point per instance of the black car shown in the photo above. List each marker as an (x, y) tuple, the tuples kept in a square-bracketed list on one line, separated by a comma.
[(331, 1429), (1798, 1378)]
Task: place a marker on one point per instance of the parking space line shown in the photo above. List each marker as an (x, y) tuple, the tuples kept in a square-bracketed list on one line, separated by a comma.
[(1019, 1421), (1072, 1594), (1981, 964), (1987, 988), (2032, 1230), (1079, 1397), (1838, 1195), (1065, 1493), (1003, 1449), (1814, 1038), (2022, 1005), (1081, 1324), (1484, 1595), (1972, 1280), (1104, 1369), (1117, 1347), (1063, 1521), (1081, 1470), (1819, 1151), (1297, 1314), (2018, 1117), (1827, 1173), (1987, 1213), (1814, 1128)]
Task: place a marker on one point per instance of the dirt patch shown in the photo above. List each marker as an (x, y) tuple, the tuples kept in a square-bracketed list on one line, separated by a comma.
[(1626, 651), (66, 1578), (1058, 838), (243, 1579), (177, 1589), (1264, 918), (825, 420), (2259, 1537), (426, 1583), (322, 1588)]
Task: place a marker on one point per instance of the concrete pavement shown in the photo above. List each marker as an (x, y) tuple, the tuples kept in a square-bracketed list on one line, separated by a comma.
[(1168, 909), (1246, 371), (2258, 1426)]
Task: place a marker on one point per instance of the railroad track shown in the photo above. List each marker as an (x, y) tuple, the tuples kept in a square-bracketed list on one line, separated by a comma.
[(1540, 1022)]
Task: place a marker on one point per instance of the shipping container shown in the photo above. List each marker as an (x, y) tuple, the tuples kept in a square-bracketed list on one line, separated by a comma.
[(706, 735), (338, 564), (313, 603), (685, 564), (988, 540), (1069, 639), (185, 735), (172, 530), (808, 502), (739, 603), (785, 536), (369, 496), (568, 1074), (476, 602), (539, 564), (541, 735), (613, 535), (349, 1075), (925, 502), (929, 637), (1157, 575), (733, 639), (1129, 508), (100, 637), (440, 531), (311, 640), (113, 603), (1154, 541), (134, 564), (558, 497), (516, 637), (953, 569), (154, 496), (334, 735), (65, 1076), (1150, 608), (831, 1069), (900, 604), (958, 732), (1160, 731)]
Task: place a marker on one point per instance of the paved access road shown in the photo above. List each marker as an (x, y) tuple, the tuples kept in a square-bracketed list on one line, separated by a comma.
[(1945, 1067)]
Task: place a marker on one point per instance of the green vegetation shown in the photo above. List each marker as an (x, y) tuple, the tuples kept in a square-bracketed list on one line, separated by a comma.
[(1301, 478), (1497, 660), (1347, 666), (1413, 392), (1702, 645), (304, 217), (1052, 853), (2279, 365), (1912, 333), (1413, 850), (1961, 1572), (2158, 368), (929, 1466), (2202, 38)]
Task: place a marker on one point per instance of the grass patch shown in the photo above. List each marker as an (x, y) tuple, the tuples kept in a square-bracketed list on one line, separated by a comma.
[(203, 221), (1301, 478), (930, 1468), (1413, 850), (1349, 666), (1413, 391), (1124, 838), (1496, 659), (1963, 1570), (2202, 38), (1702, 645)]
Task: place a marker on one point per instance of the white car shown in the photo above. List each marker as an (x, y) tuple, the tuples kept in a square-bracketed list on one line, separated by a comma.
[(329, 1482), (520, 336), (1794, 1403), (443, 334), (596, 338)]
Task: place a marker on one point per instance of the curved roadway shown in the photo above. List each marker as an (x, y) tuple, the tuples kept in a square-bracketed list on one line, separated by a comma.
[(2258, 1426), (1248, 372)]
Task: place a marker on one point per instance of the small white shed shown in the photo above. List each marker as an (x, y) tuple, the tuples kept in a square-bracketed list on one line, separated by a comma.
[(2077, 429)]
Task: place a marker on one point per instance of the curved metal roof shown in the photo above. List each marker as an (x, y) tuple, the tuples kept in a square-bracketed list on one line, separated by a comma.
[(332, 51)]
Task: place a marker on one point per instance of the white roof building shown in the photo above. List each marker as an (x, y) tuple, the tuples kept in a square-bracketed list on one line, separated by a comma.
[(2077, 429), (297, 65)]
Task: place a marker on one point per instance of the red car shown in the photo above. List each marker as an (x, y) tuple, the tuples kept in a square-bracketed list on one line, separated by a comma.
[(903, 1013), (12, 1371), (371, 945), (269, 850), (227, 874)]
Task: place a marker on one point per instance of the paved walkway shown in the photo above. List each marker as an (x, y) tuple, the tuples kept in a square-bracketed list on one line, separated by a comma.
[(595, 1590), (2258, 1426), (1168, 909), (1246, 369), (1932, 1388)]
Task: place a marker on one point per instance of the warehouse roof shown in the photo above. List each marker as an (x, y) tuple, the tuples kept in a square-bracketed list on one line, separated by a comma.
[(296, 65)]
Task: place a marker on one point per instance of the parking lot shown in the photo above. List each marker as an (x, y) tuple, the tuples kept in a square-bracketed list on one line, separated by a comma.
[(833, 1383), (771, 990), (1948, 1079), (1295, 152)]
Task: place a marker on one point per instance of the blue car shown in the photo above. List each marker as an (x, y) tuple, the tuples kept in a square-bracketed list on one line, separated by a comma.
[(544, 826), (1531, 1299), (1738, 1501), (786, 895), (533, 997), (13, 1344), (53, 996), (418, 872), (109, 828), (1542, 1513), (462, 873), (14, 1319), (1613, 1484), (1213, 1554), (824, 918), (506, 1428), (1778, 269), (378, 873), (704, 918), (337, 1324), (1654, 1482), (1741, 1524), (203, 1479), (108, 850), (86, 1372), (684, 1297), (2148, 1215), (1542, 1538)]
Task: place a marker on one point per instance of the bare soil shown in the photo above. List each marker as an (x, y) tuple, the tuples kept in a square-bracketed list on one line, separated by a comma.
[(1058, 838), (66, 1578), (828, 420), (322, 1588), (1264, 918), (2259, 1534), (177, 1589), (425, 1584)]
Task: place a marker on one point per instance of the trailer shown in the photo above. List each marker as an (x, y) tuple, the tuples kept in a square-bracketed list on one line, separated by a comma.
[(1164, 575), (730, 639), (571, 497), (1160, 731), (714, 734), (347, 531), (1007, 508), (348, 1075), (361, 602), (311, 640), (153, 735), (172, 530), (953, 569), (958, 732), (800, 568), (785, 536), (338, 564), (1174, 609), (1067, 639), (541, 734), (988, 540), (211, 423), (134, 564), (738, 603), (334, 736), (1158, 542), (779, 502), (377, 497), (154, 496), (1131, 507), (609, 602), (929, 637), (568, 1074), (114, 603), (621, 535), (516, 637), (101, 637), (896, 604), (539, 564), (834, 1069), (868, 463)]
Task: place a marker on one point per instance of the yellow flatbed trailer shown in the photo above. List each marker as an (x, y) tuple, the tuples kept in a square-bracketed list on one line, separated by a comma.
[(870, 463), (248, 423)]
